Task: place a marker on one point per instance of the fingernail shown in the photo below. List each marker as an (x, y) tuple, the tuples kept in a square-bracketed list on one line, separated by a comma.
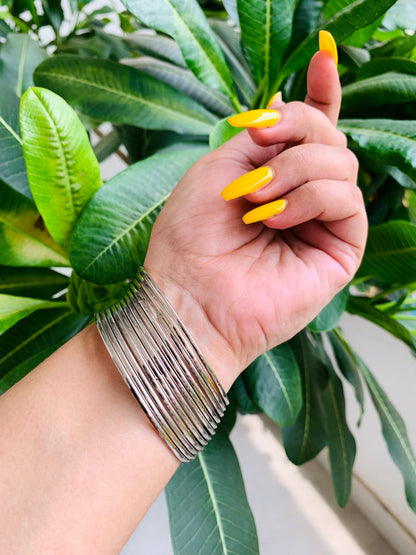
[(275, 98), (255, 118), (248, 183), (264, 212), (327, 44)]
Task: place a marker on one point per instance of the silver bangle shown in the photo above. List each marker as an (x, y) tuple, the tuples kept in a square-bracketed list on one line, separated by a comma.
[(163, 367)]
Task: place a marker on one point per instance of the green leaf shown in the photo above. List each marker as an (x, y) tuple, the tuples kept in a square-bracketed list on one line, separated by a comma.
[(390, 254), (88, 298), (24, 240), (185, 22), (388, 88), (341, 443), (347, 364), (343, 24), (31, 282), (12, 162), (363, 307), (19, 57), (242, 399), (157, 46), (392, 142), (306, 18), (208, 508), (63, 171), (362, 35), (395, 434), (54, 12), (329, 316), (108, 91), (110, 241), (385, 65), (273, 381), (229, 40), (185, 81), (306, 437), (13, 309), (266, 29), (221, 133), (36, 334)]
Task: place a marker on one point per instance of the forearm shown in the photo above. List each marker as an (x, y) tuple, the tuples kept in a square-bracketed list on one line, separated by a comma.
[(80, 462)]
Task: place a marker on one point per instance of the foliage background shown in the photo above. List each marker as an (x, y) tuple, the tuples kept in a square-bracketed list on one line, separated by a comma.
[(167, 95)]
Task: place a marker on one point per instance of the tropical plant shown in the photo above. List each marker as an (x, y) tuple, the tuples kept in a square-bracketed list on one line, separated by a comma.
[(166, 83)]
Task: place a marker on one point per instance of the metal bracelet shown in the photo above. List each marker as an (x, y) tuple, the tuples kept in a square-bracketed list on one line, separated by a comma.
[(163, 367)]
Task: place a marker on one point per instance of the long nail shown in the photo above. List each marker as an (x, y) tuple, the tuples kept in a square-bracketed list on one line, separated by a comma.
[(277, 97), (327, 44), (255, 118), (265, 212), (248, 183)]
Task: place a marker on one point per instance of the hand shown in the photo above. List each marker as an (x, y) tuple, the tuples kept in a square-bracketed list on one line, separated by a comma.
[(243, 289)]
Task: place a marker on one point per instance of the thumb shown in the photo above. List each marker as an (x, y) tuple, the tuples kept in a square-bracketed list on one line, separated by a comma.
[(323, 85)]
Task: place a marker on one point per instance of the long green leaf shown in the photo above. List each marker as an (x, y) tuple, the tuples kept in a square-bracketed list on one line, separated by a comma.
[(13, 309), (385, 65), (40, 283), (185, 81), (230, 43), (12, 162), (395, 434), (342, 25), (363, 307), (273, 381), (208, 509), (266, 29), (185, 22), (388, 88), (347, 364), (111, 239), (392, 142), (390, 254), (341, 443), (19, 57), (306, 437), (157, 46), (108, 91), (36, 334), (24, 240), (330, 316), (305, 21), (63, 171)]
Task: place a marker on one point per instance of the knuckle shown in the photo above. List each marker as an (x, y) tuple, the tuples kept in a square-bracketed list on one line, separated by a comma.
[(352, 163), (341, 138)]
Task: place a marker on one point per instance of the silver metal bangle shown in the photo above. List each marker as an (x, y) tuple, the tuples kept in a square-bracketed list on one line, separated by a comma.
[(163, 367)]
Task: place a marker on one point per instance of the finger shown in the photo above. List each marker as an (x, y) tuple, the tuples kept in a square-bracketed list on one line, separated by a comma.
[(338, 204), (293, 123), (293, 168), (323, 85)]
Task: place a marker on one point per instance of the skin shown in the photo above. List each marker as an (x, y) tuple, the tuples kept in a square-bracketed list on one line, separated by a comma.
[(80, 462)]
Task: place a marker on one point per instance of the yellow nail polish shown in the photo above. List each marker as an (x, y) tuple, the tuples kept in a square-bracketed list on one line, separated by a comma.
[(275, 98), (265, 212), (328, 44), (248, 183), (255, 118)]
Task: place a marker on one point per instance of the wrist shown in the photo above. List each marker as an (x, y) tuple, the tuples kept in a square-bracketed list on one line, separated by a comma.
[(216, 349)]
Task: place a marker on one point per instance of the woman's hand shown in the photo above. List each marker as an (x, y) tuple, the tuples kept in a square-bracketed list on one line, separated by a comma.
[(243, 288)]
